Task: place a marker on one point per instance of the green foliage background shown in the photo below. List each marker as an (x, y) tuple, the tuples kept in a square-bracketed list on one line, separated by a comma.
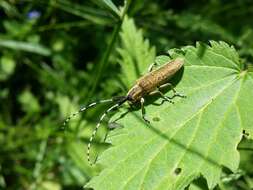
[(56, 55)]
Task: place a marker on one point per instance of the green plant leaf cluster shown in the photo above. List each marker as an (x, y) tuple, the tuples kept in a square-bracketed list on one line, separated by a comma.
[(58, 55), (196, 136), (135, 53)]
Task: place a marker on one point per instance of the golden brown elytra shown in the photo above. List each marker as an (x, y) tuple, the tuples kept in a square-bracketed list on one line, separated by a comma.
[(154, 79), (149, 84)]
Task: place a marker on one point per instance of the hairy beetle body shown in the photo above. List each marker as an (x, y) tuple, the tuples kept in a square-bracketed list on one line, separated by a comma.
[(149, 82)]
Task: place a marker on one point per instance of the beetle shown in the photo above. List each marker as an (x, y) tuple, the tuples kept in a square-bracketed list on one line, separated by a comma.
[(149, 84)]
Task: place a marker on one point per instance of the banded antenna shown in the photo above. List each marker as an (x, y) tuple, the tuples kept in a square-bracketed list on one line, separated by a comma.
[(119, 99), (82, 109)]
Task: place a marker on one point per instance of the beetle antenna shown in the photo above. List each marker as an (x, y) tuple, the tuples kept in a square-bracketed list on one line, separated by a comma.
[(115, 106), (82, 109)]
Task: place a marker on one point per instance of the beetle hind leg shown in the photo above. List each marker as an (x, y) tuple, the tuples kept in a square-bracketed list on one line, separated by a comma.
[(166, 98), (176, 94)]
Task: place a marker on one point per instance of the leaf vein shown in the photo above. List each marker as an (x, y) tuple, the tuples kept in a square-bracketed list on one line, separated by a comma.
[(187, 146), (201, 111), (211, 67), (220, 55)]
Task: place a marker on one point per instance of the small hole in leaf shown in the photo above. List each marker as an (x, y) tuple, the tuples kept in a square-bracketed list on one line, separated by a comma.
[(178, 171), (156, 119)]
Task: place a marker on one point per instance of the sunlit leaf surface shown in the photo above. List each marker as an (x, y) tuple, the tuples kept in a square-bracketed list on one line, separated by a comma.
[(195, 136)]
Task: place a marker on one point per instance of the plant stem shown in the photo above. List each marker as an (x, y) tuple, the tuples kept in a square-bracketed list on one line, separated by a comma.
[(104, 61)]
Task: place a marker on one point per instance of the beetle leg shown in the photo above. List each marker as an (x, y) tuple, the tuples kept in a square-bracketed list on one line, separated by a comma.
[(165, 98), (143, 111), (173, 89), (151, 67)]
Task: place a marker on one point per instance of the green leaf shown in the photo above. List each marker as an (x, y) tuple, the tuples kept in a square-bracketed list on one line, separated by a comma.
[(197, 136), (196, 23), (135, 53), (25, 46), (7, 66), (76, 152), (29, 102), (111, 6), (9, 9), (91, 14)]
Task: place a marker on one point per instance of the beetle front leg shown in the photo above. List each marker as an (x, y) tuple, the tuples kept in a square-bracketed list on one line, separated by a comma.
[(151, 67), (143, 111)]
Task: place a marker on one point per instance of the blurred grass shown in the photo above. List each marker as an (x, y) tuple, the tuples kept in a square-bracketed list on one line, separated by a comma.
[(50, 54)]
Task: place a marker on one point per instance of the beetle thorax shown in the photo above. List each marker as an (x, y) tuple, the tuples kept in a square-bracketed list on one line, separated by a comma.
[(135, 93)]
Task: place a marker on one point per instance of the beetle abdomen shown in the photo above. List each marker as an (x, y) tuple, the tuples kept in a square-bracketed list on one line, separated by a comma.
[(158, 77), (154, 79)]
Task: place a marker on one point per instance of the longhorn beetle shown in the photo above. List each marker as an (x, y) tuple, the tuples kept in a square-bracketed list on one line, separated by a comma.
[(149, 84)]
